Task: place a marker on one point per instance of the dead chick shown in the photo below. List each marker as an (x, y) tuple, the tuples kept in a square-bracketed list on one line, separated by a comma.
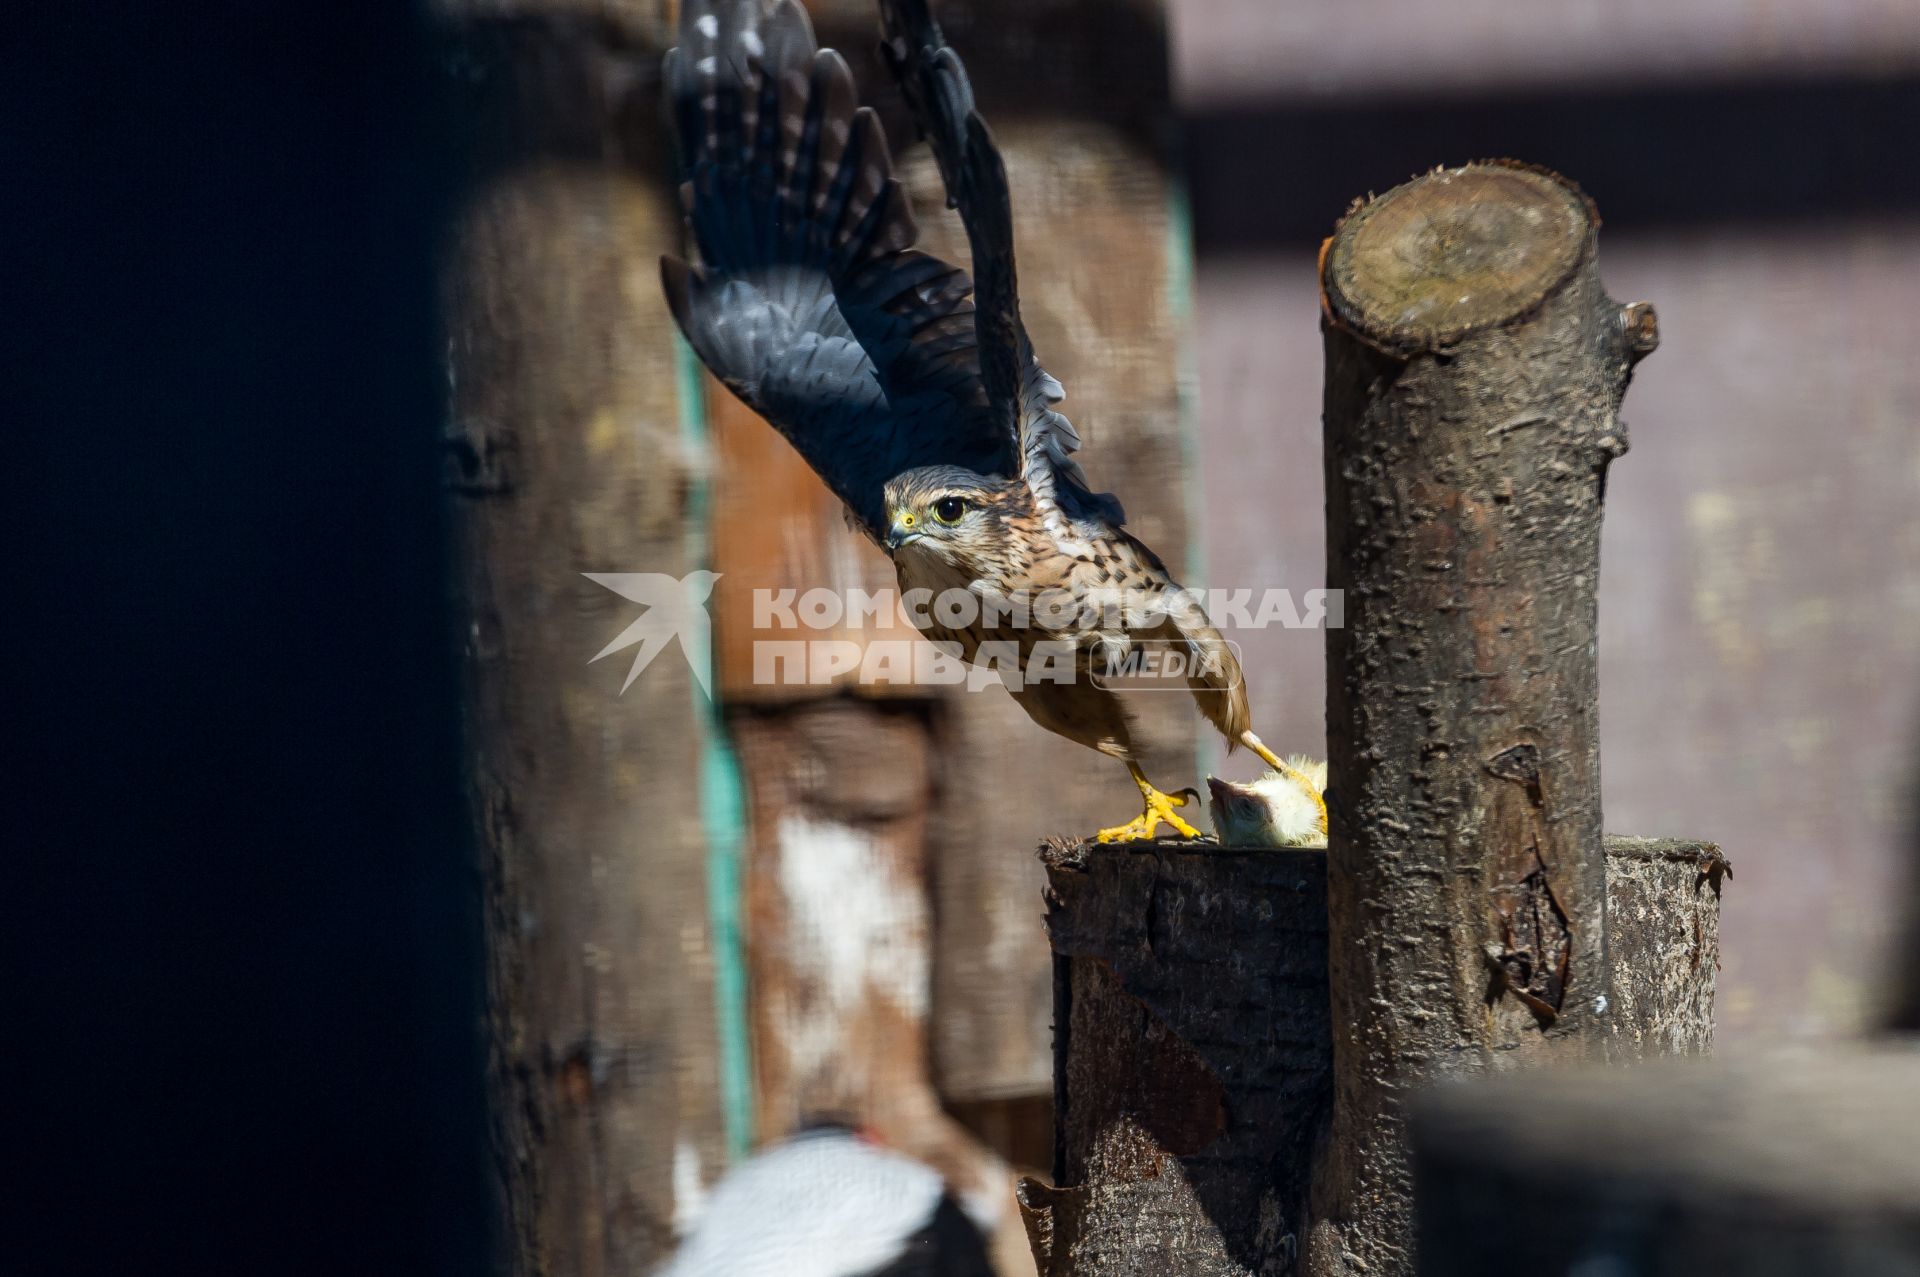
[(1284, 808)]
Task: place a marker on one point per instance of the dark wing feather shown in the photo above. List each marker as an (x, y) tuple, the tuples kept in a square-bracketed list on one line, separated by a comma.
[(809, 301), (935, 85)]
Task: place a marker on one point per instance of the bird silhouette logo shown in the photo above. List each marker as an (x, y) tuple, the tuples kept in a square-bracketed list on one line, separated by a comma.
[(676, 609)]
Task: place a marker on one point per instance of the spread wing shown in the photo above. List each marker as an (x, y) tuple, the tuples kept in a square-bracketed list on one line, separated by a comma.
[(1021, 393), (809, 300)]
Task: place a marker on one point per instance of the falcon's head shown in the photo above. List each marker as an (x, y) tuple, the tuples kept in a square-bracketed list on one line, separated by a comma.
[(967, 519)]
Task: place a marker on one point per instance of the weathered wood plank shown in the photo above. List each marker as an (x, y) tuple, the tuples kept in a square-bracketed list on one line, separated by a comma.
[(565, 457), (839, 936)]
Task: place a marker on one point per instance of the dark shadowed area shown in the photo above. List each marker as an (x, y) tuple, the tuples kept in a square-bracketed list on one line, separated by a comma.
[(244, 979)]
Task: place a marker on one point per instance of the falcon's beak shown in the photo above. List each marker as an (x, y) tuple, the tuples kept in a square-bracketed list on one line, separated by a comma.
[(902, 533)]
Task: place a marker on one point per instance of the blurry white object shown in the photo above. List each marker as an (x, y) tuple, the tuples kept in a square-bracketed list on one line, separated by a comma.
[(830, 1203)]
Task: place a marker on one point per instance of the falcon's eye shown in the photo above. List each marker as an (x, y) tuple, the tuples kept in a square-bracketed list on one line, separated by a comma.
[(949, 509)]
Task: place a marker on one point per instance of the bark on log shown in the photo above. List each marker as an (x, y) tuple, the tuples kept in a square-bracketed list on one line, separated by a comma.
[(1475, 368), (1762, 1166), (1191, 1058), (1194, 1048), (1663, 947), (565, 457)]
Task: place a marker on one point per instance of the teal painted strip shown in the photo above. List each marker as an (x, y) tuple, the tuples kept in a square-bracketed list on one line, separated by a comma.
[(723, 811)]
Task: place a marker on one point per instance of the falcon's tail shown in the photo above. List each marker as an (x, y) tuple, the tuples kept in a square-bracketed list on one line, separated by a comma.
[(1214, 677)]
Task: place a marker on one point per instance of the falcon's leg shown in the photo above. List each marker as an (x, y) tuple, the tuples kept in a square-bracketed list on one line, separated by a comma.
[(1159, 807), (1252, 742)]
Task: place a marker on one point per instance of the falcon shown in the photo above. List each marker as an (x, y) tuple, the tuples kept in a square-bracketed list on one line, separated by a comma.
[(912, 390)]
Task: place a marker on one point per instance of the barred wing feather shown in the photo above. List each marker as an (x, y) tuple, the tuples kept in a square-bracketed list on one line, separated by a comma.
[(809, 300), (1021, 393)]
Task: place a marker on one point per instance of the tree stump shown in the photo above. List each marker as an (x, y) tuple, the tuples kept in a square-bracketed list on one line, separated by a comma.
[(1663, 947), (1194, 1051), (1191, 1050), (1475, 368)]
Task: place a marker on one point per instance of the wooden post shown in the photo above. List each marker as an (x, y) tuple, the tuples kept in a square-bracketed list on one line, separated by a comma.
[(1192, 1066), (1475, 368), (565, 457), (1663, 947), (1194, 1050)]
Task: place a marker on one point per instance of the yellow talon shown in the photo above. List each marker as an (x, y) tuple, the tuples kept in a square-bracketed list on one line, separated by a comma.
[(1160, 807)]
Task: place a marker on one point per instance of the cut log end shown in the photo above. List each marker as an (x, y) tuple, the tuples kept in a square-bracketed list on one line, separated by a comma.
[(1071, 854), (1455, 252)]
